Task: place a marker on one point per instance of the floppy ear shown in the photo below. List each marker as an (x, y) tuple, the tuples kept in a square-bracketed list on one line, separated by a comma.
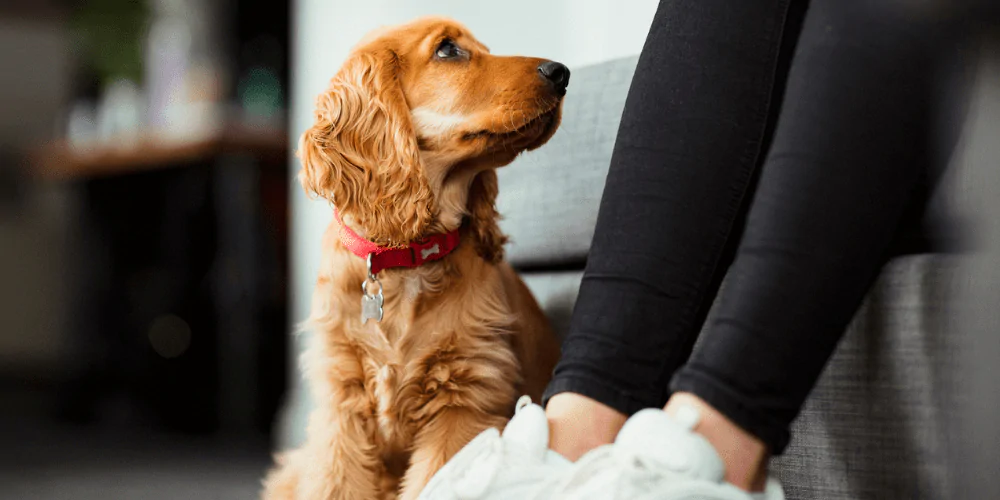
[(361, 153), (484, 218)]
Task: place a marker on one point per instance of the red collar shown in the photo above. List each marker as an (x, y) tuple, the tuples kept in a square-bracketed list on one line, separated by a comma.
[(429, 249)]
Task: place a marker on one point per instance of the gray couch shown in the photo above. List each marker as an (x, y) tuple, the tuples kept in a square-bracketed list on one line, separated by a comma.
[(871, 429)]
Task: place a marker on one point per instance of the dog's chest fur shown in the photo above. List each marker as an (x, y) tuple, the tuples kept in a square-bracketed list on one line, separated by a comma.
[(385, 389), (440, 351), (393, 380)]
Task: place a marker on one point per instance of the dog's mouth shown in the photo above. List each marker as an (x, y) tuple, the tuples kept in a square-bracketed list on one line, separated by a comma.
[(542, 121)]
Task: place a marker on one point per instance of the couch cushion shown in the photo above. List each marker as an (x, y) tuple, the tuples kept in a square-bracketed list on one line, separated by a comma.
[(875, 425), (549, 197), (556, 293)]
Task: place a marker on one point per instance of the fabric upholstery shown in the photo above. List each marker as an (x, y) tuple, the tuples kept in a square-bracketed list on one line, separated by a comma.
[(549, 197)]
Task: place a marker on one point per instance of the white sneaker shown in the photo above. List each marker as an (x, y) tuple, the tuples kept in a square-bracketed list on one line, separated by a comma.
[(517, 465), (656, 457)]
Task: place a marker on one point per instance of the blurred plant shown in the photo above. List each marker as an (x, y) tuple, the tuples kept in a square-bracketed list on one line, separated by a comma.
[(111, 34)]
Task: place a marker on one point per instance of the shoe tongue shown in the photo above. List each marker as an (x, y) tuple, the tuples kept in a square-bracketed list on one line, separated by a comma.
[(668, 442), (529, 430)]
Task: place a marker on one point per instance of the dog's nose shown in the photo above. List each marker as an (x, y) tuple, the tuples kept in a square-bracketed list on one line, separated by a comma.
[(557, 73)]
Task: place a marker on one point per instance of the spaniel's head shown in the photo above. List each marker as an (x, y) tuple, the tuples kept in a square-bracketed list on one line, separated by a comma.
[(407, 135)]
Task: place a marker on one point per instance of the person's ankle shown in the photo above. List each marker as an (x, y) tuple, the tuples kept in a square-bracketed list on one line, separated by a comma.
[(578, 424), (744, 456)]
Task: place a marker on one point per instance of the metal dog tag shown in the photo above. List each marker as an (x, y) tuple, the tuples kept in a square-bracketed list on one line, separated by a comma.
[(371, 304), (371, 307)]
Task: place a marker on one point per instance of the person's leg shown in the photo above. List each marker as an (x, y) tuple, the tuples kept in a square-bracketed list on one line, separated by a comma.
[(847, 157), (696, 124)]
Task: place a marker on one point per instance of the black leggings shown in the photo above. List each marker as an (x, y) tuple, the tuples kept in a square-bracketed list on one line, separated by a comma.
[(779, 142)]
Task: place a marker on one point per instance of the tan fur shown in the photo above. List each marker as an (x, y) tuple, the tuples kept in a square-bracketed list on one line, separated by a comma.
[(461, 337)]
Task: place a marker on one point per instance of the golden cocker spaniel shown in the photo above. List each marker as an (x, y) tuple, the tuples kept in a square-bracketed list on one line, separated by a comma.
[(424, 336)]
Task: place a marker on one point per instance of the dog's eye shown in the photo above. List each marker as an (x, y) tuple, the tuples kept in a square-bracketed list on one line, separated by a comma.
[(448, 50)]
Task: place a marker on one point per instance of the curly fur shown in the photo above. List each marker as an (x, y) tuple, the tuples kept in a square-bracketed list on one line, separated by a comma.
[(362, 153), (405, 145)]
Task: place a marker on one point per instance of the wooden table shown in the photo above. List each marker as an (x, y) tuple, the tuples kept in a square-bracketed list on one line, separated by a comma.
[(61, 160)]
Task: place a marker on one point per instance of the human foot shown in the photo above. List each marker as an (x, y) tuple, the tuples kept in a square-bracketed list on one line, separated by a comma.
[(579, 424), (744, 456), (656, 456)]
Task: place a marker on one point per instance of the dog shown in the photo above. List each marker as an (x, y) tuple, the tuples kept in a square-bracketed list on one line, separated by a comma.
[(424, 335)]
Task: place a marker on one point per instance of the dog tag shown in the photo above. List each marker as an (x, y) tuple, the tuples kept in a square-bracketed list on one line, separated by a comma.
[(371, 308), (371, 305)]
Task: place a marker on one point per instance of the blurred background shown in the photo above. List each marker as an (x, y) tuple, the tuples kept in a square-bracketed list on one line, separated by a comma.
[(156, 251), (144, 167)]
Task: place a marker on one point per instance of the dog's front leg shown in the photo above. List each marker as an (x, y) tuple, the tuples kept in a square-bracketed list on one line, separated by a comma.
[(336, 463), (438, 440), (339, 461)]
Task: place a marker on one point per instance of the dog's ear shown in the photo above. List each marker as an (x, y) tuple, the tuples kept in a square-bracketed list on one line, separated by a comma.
[(484, 218), (361, 153)]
